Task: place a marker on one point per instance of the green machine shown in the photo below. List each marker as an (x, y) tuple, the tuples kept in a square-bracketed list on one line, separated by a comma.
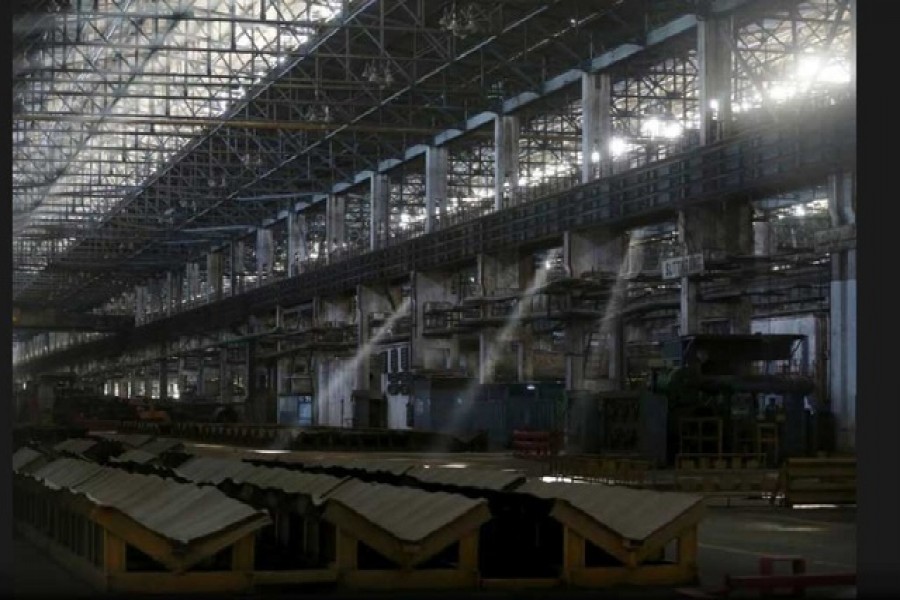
[(735, 394)]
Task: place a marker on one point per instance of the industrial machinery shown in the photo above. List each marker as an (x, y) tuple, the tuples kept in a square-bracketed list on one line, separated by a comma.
[(736, 394)]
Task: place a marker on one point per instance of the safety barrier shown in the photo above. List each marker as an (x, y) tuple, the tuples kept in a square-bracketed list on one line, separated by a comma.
[(726, 476), (535, 444), (628, 471), (818, 481), (767, 583)]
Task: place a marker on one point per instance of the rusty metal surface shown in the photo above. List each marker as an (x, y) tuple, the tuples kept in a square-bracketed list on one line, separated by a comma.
[(486, 479), (181, 513), (315, 486), (407, 514), (631, 514), (75, 445), (208, 469), (25, 457)]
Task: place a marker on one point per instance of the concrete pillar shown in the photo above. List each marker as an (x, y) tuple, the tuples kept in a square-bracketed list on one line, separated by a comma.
[(140, 304), (298, 238), (335, 212), (164, 375), (265, 253), (192, 271), (714, 54), (842, 338), (224, 376), (379, 211), (719, 231), (435, 186), (499, 273), (368, 301), (175, 283), (429, 353), (596, 128), (215, 272), (506, 160), (763, 239)]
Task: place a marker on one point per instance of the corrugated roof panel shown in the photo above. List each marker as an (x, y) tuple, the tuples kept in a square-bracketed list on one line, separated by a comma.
[(66, 472), (132, 440), (179, 512), (75, 445), (392, 467), (317, 487), (407, 514), (24, 457), (208, 469), (136, 456), (485, 479), (632, 514), (161, 446)]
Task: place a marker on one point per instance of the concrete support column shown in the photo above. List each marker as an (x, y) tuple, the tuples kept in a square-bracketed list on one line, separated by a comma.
[(192, 272), (499, 273), (224, 376), (601, 252), (379, 211), (298, 238), (368, 301), (215, 272), (435, 186), (140, 304), (232, 267), (164, 375), (714, 52), (265, 253), (842, 338), (719, 231), (763, 239), (174, 283), (506, 160), (429, 353), (596, 128), (335, 212)]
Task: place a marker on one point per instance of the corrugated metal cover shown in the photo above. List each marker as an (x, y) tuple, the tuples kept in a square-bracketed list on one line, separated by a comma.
[(136, 456), (75, 445), (161, 446), (24, 457), (66, 472), (391, 467), (291, 482), (632, 514), (179, 512), (132, 440), (408, 514), (485, 479), (209, 469)]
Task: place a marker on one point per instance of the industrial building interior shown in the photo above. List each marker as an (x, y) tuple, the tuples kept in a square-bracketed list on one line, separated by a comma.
[(327, 296)]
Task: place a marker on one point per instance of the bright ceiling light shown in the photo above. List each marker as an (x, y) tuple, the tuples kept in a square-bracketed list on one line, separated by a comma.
[(808, 67), (595, 157), (617, 147), (672, 130)]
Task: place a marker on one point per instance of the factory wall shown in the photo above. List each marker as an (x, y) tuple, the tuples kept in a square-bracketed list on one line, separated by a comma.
[(335, 382)]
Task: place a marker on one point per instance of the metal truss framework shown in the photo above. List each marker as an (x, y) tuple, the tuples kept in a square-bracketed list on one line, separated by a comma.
[(316, 93)]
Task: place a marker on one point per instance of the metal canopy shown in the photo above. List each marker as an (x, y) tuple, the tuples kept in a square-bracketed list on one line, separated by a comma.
[(137, 119)]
